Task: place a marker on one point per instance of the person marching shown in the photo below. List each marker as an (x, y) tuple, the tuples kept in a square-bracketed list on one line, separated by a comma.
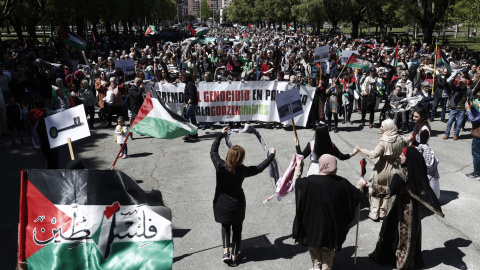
[(121, 131), (229, 201)]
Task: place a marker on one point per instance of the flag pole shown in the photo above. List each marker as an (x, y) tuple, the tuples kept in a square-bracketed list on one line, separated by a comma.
[(70, 148), (123, 145), (356, 237), (339, 75), (435, 65)]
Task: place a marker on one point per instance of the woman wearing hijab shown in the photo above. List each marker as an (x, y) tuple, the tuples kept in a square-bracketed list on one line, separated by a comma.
[(229, 202), (322, 144), (400, 239), (325, 207), (387, 151)]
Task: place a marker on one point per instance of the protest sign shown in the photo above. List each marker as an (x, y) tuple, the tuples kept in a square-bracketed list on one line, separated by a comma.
[(289, 104), (71, 123), (127, 66), (236, 101), (321, 53), (346, 54)]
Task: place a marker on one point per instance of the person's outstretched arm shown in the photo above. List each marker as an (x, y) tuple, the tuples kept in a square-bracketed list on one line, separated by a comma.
[(217, 161)]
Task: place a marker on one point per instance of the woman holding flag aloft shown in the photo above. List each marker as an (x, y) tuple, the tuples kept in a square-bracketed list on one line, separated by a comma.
[(229, 202)]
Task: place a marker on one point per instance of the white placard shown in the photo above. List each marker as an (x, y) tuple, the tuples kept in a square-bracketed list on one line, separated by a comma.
[(289, 104), (127, 66), (346, 54), (321, 53), (71, 123)]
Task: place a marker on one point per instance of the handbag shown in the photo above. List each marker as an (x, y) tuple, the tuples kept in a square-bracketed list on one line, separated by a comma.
[(109, 97)]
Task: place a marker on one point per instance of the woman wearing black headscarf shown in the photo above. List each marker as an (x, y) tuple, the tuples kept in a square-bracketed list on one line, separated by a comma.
[(400, 238), (321, 144)]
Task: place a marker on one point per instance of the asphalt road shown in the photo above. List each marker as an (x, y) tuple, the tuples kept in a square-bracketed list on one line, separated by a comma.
[(184, 173)]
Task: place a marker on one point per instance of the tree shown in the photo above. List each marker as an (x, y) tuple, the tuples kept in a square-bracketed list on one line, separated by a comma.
[(427, 13), (355, 10), (205, 11), (335, 10), (469, 11)]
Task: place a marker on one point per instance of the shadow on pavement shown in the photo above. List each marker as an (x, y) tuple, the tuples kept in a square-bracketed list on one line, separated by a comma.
[(259, 248), (140, 155), (450, 254)]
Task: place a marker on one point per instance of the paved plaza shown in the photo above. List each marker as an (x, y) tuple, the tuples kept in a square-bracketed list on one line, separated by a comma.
[(185, 175)]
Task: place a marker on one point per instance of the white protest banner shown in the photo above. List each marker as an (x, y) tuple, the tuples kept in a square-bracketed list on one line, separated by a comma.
[(289, 104), (237, 101), (321, 53), (127, 66), (71, 123), (346, 54)]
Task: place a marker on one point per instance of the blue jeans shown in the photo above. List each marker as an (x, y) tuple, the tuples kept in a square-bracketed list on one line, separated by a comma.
[(443, 104), (124, 150), (457, 117), (190, 114), (476, 155)]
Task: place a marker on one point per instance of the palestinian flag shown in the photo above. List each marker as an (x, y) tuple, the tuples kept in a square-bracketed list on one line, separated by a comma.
[(72, 40), (442, 60), (395, 57), (356, 61), (150, 30), (155, 119), (289, 27), (91, 219), (201, 31)]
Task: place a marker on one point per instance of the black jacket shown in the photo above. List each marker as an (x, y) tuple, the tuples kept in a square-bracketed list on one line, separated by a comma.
[(229, 202), (136, 98), (190, 92)]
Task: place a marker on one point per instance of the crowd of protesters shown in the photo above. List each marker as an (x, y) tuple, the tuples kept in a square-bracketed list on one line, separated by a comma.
[(62, 77)]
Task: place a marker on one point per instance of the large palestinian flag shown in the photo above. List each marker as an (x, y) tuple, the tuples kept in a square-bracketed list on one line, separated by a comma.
[(89, 219), (72, 40), (356, 61), (157, 120)]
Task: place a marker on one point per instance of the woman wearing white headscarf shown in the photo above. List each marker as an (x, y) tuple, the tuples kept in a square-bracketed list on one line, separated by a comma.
[(387, 151)]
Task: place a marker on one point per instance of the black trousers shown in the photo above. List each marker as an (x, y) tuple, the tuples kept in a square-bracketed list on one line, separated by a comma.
[(370, 108), (90, 111), (335, 119), (236, 238), (113, 110)]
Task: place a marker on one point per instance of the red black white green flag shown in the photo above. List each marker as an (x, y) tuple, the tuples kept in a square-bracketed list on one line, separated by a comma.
[(356, 61), (155, 119), (90, 219), (442, 60), (395, 57), (72, 40)]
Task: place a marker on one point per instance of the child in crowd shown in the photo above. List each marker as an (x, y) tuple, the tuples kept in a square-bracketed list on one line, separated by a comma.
[(121, 132), (14, 118)]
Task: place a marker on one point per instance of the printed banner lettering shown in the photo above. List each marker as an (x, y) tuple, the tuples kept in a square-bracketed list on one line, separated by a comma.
[(236, 101)]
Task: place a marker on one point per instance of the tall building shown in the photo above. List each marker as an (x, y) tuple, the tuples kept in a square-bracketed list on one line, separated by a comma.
[(193, 6), (182, 7)]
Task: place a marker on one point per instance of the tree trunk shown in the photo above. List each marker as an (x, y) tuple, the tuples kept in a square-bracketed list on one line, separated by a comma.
[(31, 29), (79, 23), (355, 25), (427, 33), (108, 28), (17, 26)]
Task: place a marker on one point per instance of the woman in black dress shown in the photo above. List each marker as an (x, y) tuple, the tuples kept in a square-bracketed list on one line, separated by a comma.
[(229, 202)]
